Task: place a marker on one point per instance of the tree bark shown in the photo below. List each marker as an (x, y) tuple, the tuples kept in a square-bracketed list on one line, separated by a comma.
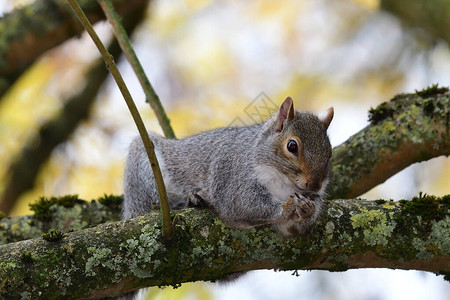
[(117, 257), (351, 234), (409, 128), (41, 26)]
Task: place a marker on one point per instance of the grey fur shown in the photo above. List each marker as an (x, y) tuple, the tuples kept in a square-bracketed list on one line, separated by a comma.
[(243, 174), (222, 169)]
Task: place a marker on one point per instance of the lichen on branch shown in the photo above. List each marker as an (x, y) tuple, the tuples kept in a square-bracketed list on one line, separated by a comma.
[(116, 257), (66, 213), (409, 128)]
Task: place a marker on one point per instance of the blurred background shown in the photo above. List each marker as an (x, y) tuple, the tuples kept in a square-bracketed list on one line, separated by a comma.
[(211, 62)]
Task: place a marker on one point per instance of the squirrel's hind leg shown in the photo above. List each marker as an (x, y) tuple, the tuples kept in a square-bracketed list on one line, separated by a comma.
[(140, 193), (138, 202)]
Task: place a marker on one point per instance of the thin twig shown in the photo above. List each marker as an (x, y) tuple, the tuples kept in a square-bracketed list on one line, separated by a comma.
[(148, 144), (124, 42)]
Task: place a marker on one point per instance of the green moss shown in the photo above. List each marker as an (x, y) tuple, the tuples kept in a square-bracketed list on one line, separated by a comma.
[(425, 220), (7, 266), (445, 200), (432, 90), (53, 235), (427, 207), (42, 206), (110, 200), (428, 105), (26, 257), (69, 200), (381, 201), (381, 112), (2, 215)]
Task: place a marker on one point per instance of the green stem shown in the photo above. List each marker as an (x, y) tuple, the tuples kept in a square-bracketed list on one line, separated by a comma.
[(124, 42), (148, 144)]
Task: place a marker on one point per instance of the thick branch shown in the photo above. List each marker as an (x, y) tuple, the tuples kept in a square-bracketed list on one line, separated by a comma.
[(40, 26), (117, 257), (408, 129)]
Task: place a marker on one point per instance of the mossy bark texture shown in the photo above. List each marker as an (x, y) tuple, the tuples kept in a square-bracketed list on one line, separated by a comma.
[(409, 128), (41, 26), (117, 257), (65, 217)]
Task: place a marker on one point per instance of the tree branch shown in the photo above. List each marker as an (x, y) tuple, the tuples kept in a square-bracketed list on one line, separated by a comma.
[(408, 129), (351, 234), (40, 26), (117, 257)]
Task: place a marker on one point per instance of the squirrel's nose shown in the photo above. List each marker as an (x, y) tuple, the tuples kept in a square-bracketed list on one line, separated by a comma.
[(313, 185)]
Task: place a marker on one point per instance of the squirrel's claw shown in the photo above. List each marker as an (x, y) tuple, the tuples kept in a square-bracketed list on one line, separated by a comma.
[(298, 208)]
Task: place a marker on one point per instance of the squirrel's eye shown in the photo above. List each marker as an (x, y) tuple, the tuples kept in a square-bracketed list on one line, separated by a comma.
[(292, 146)]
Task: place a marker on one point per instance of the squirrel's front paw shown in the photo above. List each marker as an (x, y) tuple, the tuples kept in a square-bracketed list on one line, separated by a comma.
[(298, 208)]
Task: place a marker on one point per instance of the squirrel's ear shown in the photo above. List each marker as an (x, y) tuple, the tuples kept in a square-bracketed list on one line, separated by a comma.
[(285, 113), (326, 117)]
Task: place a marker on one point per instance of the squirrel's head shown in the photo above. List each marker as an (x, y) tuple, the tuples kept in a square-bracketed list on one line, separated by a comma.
[(302, 147)]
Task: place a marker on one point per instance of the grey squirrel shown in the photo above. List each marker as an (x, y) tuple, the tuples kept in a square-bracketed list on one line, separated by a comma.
[(270, 173)]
